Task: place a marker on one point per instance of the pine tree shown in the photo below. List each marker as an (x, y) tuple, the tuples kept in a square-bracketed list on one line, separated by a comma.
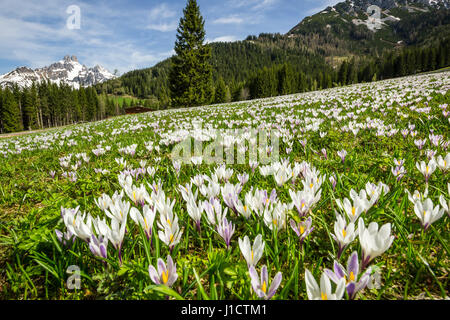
[(190, 75), (220, 95), (11, 116)]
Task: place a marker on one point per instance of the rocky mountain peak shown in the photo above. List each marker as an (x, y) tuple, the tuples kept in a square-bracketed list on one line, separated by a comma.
[(68, 70)]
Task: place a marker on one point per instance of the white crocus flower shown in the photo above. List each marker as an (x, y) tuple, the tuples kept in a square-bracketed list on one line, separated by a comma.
[(244, 209), (252, 254), (170, 234), (324, 292), (427, 212), (275, 216), (145, 220), (195, 212), (444, 203), (427, 169), (118, 210), (444, 163), (75, 223), (417, 196), (353, 211), (373, 242), (103, 202), (344, 233)]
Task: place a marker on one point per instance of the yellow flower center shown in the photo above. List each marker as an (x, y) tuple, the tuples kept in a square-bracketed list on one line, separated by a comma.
[(165, 276), (344, 233), (427, 169), (264, 287), (351, 277), (274, 221), (324, 296), (353, 210), (245, 208), (146, 224), (171, 239), (252, 254), (302, 229), (170, 223)]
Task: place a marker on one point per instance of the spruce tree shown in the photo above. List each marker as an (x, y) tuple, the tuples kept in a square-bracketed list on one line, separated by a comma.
[(11, 116), (220, 95), (190, 75)]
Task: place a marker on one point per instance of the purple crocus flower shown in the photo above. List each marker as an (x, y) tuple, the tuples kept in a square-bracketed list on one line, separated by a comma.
[(65, 237), (350, 275), (165, 275), (243, 179), (226, 231), (261, 284), (302, 229), (342, 154), (99, 246), (333, 182)]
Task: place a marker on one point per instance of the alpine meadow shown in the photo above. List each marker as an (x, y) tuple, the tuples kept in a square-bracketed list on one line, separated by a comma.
[(311, 164)]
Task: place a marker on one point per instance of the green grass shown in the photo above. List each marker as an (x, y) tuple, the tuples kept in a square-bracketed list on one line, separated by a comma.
[(33, 263)]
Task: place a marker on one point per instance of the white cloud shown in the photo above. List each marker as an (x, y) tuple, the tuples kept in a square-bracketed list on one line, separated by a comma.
[(229, 20), (163, 27), (162, 19), (162, 11)]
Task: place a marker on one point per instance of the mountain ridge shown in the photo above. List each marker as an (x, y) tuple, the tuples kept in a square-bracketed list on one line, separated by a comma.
[(68, 70)]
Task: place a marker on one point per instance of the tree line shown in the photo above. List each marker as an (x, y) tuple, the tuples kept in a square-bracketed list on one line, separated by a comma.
[(47, 105)]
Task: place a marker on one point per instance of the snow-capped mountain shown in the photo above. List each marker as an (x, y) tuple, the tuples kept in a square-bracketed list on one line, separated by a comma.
[(68, 70)]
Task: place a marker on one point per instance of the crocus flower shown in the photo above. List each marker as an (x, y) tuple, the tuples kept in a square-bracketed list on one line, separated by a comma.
[(99, 246), (261, 284), (344, 234), (373, 242), (445, 205), (252, 254), (333, 182), (169, 232), (417, 196), (427, 212), (144, 220), (177, 167), (166, 274), (427, 169), (195, 212), (226, 231), (324, 292), (444, 163), (214, 212), (353, 211), (230, 194), (342, 154), (350, 275), (117, 234), (243, 179), (302, 229), (65, 237), (79, 225)]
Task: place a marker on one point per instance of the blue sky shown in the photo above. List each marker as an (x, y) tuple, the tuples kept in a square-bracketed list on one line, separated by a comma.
[(128, 35)]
